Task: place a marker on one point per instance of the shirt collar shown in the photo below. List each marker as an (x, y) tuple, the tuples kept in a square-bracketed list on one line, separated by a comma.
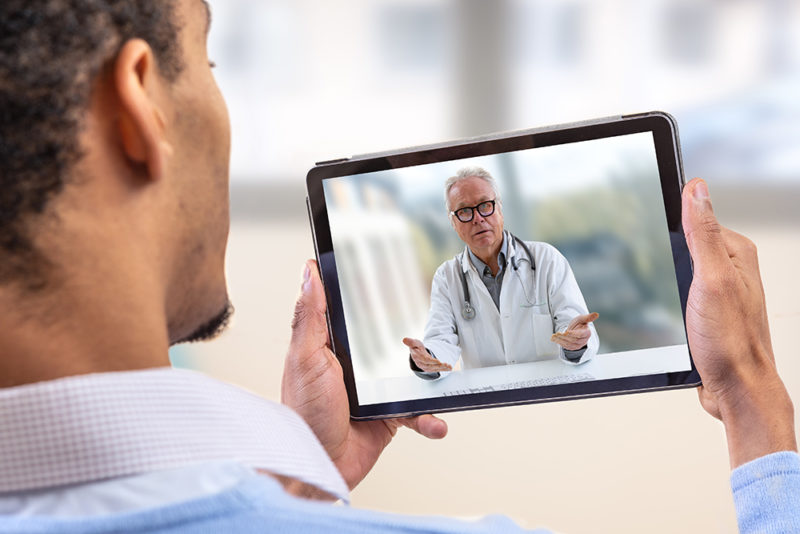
[(501, 257), (91, 427)]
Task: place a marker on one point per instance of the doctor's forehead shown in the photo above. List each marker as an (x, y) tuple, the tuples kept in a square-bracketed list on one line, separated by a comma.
[(469, 191)]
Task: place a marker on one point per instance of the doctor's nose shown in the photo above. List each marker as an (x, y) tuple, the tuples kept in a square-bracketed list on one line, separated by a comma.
[(477, 218)]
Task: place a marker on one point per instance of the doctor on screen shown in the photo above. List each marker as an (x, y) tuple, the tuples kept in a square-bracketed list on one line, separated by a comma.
[(502, 300)]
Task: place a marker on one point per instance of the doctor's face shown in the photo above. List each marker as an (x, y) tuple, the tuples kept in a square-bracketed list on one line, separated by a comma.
[(483, 235)]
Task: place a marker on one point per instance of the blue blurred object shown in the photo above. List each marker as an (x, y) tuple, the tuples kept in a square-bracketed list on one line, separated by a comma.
[(181, 356)]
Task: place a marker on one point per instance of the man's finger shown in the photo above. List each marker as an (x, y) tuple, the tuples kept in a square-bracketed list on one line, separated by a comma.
[(426, 425), (569, 345), (583, 320), (423, 358), (309, 328), (412, 343), (433, 366), (576, 329), (569, 335), (433, 369), (429, 364), (703, 232)]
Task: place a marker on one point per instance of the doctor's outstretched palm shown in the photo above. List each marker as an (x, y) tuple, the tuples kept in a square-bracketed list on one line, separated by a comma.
[(423, 358), (577, 334)]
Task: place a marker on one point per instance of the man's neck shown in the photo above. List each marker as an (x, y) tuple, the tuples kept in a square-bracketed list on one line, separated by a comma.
[(54, 335), (490, 259)]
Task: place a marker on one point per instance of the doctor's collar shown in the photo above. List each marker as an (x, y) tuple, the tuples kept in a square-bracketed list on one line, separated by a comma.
[(468, 257), (502, 257)]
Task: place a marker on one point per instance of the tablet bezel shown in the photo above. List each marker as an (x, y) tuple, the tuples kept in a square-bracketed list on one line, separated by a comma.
[(667, 147)]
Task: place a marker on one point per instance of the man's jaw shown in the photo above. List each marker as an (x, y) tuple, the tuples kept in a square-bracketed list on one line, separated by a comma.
[(212, 327)]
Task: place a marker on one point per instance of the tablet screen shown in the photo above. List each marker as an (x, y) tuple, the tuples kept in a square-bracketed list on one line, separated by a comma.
[(583, 229)]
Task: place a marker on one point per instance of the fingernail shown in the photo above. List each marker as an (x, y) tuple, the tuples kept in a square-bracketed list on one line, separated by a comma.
[(306, 279), (700, 192)]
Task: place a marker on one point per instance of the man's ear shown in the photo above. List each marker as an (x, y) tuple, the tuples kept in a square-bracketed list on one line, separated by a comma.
[(141, 121)]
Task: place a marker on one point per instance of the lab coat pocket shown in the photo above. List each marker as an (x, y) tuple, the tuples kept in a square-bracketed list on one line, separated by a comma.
[(542, 331)]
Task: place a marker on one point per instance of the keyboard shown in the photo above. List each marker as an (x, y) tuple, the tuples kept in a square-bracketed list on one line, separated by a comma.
[(520, 384)]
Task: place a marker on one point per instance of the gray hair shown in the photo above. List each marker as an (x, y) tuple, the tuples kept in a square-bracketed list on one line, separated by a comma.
[(470, 172)]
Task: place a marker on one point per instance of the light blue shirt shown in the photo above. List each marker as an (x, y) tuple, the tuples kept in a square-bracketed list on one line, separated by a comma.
[(165, 451), (766, 492)]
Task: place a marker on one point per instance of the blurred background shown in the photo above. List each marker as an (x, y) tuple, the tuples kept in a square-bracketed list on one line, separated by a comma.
[(309, 80)]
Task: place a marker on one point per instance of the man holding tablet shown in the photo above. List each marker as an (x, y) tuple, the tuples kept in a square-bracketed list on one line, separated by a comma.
[(502, 300)]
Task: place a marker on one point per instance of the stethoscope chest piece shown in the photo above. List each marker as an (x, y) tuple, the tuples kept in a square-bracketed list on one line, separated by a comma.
[(467, 311)]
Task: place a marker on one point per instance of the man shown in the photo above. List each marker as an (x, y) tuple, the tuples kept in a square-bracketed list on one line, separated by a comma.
[(501, 301), (114, 149), (114, 222)]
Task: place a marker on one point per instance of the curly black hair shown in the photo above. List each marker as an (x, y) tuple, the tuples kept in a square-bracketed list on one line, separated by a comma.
[(50, 53)]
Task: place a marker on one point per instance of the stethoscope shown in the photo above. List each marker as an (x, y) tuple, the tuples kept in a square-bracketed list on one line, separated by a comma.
[(468, 310)]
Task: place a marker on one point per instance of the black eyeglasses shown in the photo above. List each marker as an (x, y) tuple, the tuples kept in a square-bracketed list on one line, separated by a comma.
[(466, 214)]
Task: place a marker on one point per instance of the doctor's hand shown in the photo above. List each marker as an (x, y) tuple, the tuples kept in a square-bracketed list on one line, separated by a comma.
[(577, 334), (726, 323), (313, 386), (423, 358)]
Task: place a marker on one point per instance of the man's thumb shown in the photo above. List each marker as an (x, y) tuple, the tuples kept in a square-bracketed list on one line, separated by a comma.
[(308, 323), (592, 317), (703, 232)]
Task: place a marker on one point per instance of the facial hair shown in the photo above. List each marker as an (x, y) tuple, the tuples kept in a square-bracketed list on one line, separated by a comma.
[(211, 328)]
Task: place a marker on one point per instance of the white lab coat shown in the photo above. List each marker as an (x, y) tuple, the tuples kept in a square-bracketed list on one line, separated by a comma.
[(533, 305)]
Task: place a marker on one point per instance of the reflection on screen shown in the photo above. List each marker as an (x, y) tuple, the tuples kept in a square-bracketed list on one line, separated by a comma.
[(598, 203)]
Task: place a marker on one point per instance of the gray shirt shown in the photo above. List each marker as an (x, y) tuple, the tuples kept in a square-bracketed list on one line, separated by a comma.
[(492, 282)]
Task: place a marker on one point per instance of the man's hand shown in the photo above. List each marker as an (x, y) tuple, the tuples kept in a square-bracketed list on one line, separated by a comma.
[(422, 357), (577, 334), (726, 322), (314, 387)]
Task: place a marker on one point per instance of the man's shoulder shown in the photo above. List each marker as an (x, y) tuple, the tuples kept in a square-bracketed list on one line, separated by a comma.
[(543, 250), (449, 266), (258, 504)]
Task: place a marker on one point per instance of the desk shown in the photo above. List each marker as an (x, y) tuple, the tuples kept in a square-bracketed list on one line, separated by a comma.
[(602, 366)]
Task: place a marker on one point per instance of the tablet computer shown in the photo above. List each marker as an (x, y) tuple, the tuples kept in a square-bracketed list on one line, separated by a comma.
[(490, 256)]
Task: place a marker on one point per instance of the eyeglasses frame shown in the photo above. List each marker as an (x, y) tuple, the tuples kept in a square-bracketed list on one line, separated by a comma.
[(473, 209)]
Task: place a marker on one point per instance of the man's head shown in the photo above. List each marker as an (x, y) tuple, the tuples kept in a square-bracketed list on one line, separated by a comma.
[(114, 149), (480, 228)]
